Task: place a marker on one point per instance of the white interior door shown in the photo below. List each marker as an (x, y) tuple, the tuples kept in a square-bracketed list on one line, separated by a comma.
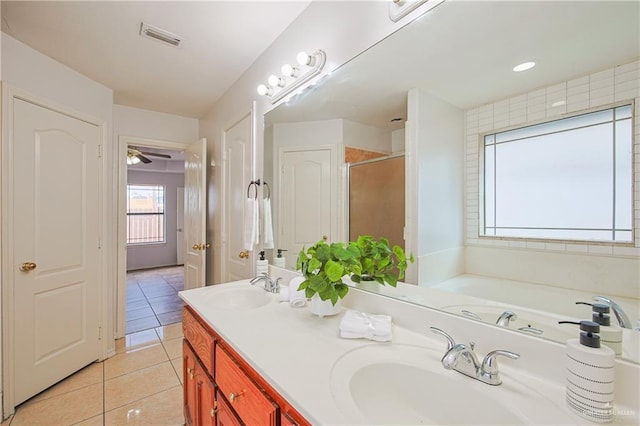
[(195, 173), (54, 217), (180, 241), (238, 155), (308, 199)]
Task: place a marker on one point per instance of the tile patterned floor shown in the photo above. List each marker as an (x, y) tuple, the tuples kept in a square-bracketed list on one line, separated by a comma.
[(152, 298), (140, 385)]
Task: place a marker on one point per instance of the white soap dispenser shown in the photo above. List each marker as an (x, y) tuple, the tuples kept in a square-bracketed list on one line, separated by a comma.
[(262, 265), (279, 261), (610, 335), (590, 372)]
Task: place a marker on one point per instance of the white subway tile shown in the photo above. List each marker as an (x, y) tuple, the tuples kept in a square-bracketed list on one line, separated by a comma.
[(472, 241), (627, 76), (556, 111), (555, 246), (540, 93), (627, 95), (626, 251), (562, 87), (515, 119), (600, 249), (536, 112), (606, 83), (517, 244), (581, 81), (631, 66), (535, 245), (601, 76), (500, 243), (600, 101), (601, 92), (577, 248)]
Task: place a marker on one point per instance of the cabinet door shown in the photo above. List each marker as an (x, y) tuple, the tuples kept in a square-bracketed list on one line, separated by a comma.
[(189, 384), (205, 397), (287, 420), (225, 416)]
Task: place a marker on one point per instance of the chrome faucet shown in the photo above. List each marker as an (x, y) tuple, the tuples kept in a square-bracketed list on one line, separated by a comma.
[(621, 316), (269, 285), (505, 318), (463, 359)]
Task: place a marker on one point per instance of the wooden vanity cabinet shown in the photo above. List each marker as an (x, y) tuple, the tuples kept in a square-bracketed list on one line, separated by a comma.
[(221, 388)]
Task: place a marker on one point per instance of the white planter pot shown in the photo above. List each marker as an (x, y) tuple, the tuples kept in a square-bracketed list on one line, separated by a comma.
[(324, 308), (372, 286)]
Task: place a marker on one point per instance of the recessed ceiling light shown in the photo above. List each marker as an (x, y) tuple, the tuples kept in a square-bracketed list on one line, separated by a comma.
[(524, 66)]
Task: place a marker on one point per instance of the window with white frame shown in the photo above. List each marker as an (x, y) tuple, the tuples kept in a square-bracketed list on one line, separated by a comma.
[(567, 179), (145, 214)]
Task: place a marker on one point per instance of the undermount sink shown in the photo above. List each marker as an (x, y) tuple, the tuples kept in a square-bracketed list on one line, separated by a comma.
[(405, 384), (238, 298)]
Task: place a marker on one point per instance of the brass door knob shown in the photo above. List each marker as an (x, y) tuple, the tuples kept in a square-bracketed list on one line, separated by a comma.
[(28, 266), (325, 238), (197, 246), (244, 254), (206, 246)]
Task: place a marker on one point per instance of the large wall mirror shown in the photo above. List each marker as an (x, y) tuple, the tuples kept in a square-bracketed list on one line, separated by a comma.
[(426, 95)]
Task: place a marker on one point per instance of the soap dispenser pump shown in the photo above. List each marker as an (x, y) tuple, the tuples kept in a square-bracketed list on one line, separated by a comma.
[(610, 335), (262, 264), (279, 261), (590, 374)]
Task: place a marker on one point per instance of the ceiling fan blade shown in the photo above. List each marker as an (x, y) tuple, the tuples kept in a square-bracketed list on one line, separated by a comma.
[(144, 159), (154, 154)]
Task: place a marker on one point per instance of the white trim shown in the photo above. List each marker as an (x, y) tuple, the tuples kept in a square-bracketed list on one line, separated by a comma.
[(9, 93), (224, 232), (120, 240)]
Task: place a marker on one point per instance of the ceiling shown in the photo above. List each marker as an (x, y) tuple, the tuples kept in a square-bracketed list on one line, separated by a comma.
[(464, 52), (101, 40)]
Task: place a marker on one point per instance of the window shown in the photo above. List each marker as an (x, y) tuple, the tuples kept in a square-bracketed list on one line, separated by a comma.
[(568, 179), (145, 214)]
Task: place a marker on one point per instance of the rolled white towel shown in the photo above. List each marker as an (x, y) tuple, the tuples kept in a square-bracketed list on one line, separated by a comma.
[(297, 298), (359, 325)]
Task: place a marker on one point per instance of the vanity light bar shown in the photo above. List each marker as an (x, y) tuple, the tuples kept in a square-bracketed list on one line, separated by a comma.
[(315, 62)]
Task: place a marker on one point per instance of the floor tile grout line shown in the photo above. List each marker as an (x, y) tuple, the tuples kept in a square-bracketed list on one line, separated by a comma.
[(138, 369)]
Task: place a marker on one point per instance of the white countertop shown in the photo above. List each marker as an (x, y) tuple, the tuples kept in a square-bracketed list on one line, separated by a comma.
[(296, 351)]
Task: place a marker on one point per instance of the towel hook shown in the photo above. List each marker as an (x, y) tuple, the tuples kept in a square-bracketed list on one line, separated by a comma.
[(268, 189)]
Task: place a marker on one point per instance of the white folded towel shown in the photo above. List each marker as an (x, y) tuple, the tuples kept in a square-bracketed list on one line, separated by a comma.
[(251, 223), (297, 298), (267, 224), (359, 325)]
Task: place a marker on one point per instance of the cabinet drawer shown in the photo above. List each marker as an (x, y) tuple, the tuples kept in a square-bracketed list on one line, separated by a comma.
[(245, 397), (199, 339)]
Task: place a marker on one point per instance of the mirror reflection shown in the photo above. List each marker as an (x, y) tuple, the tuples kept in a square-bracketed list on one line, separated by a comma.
[(428, 94)]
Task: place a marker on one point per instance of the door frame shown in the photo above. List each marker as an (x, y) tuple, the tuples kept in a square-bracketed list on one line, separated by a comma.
[(224, 234), (7, 312), (121, 227)]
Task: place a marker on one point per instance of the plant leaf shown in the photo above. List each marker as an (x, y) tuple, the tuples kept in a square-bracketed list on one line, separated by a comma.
[(334, 271)]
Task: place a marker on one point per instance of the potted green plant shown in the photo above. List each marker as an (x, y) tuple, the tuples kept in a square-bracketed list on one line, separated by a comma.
[(324, 265), (380, 262)]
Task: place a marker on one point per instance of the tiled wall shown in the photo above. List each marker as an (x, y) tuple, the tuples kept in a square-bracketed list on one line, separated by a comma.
[(602, 88)]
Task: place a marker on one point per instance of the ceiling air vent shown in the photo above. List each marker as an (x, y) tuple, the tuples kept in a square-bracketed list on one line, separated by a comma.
[(155, 33)]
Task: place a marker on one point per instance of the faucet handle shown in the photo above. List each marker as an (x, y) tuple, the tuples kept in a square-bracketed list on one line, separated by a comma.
[(450, 342), (490, 365)]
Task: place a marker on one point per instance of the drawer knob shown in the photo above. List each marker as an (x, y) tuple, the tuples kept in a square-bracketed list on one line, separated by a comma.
[(190, 372), (214, 410), (234, 396)]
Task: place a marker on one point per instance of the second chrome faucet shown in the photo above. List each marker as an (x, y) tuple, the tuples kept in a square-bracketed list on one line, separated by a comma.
[(463, 359)]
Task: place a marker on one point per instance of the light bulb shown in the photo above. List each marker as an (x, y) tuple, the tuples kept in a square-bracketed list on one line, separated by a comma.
[(263, 90), (275, 81), (524, 66), (289, 70), (303, 58), (132, 159)]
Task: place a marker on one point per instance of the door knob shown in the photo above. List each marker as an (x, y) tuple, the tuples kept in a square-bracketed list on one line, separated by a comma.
[(197, 246), (28, 266), (244, 254), (325, 238), (206, 246)]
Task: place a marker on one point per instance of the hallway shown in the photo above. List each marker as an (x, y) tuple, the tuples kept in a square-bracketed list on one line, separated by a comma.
[(152, 298), (141, 384)]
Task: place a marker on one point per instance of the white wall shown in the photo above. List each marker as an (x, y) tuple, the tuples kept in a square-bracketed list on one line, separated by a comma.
[(129, 121), (357, 135), (558, 263), (164, 254), (435, 168), (342, 29), (41, 76), (398, 141)]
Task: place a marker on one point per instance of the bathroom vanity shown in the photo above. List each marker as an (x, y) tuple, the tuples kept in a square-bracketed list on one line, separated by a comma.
[(251, 359)]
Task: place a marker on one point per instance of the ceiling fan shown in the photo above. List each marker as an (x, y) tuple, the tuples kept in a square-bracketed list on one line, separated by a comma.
[(135, 156)]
